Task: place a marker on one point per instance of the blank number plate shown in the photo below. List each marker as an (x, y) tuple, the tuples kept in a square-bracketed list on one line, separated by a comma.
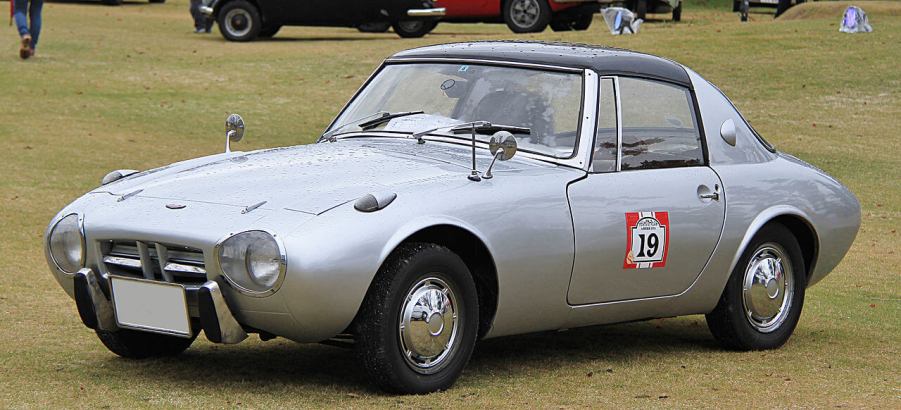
[(151, 306)]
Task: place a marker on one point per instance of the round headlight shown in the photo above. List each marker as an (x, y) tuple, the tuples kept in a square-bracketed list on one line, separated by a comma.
[(253, 261), (67, 244)]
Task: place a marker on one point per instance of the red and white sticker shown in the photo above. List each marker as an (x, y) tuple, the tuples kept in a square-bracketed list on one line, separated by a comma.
[(647, 240)]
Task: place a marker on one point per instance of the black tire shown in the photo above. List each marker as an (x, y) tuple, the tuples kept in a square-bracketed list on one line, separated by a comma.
[(537, 11), (269, 32), (112, 2), (730, 322), (133, 344), (561, 25), (583, 22), (641, 9), (158, 1), (379, 27), (239, 20), (380, 345), (413, 28), (677, 12)]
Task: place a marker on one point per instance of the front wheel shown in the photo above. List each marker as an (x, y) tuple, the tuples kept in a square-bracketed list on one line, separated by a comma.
[(270, 31), (239, 20), (133, 344), (527, 16), (418, 323), (762, 302), (413, 28)]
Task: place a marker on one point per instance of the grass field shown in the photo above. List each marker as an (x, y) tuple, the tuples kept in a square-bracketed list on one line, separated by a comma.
[(131, 87)]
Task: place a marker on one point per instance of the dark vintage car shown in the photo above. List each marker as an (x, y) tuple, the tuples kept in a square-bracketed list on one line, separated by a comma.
[(247, 20)]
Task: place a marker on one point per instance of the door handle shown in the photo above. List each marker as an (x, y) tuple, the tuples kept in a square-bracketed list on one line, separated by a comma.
[(706, 193)]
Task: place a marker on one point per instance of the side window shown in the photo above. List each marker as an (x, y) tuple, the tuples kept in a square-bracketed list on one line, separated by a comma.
[(659, 126), (604, 157)]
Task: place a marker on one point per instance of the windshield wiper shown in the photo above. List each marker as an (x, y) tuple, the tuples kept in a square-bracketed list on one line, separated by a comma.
[(375, 122), (477, 127)]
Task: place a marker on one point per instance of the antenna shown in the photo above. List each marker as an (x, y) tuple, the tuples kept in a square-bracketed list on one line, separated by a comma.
[(474, 175)]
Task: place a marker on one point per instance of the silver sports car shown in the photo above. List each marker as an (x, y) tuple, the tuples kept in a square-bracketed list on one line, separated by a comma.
[(467, 191)]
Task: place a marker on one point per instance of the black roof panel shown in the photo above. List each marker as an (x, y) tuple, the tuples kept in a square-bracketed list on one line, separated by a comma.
[(604, 60)]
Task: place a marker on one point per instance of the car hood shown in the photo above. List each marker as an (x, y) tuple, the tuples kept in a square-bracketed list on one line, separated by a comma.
[(306, 178)]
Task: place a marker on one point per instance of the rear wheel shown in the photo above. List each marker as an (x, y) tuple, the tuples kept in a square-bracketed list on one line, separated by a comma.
[(413, 28), (133, 344), (418, 323), (762, 301), (379, 27), (270, 31), (583, 22), (239, 20), (527, 16)]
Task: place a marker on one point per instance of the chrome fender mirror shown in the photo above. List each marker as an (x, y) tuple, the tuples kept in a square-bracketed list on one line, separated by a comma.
[(727, 131), (234, 130), (503, 146)]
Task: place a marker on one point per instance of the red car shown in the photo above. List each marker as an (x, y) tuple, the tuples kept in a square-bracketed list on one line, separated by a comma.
[(522, 16)]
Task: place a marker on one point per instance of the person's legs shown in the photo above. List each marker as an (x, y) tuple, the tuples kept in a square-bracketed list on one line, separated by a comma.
[(197, 15), (21, 16), (34, 13)]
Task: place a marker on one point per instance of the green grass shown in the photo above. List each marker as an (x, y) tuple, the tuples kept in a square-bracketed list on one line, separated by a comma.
[(130, 87)]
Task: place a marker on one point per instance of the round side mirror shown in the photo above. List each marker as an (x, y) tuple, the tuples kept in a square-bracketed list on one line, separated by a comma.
[(727, 131), (505, 142), (234, 127)]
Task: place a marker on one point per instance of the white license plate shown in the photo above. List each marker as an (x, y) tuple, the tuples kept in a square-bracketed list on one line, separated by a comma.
[(151, 306)]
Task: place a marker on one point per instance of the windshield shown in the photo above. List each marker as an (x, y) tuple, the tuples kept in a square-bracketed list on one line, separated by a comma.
[(547, 102)]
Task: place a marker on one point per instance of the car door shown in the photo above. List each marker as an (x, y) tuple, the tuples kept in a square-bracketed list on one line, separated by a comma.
[(649, 214)]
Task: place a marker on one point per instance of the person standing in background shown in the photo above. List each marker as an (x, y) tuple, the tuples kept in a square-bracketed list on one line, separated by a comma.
[(202, 23), (27, 14)]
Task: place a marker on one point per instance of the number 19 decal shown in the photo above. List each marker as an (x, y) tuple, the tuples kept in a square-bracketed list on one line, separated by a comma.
[(647, 240)]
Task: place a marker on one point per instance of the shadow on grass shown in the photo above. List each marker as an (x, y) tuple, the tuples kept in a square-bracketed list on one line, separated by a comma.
[(316, 366)]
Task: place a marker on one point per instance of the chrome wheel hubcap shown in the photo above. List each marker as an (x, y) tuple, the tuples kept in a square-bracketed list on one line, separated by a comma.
[(768, 288), (525, 12), (428, 325), (238, 22)]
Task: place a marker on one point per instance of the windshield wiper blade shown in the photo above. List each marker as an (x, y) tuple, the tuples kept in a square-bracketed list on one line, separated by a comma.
[(375, 122), (486, 127)]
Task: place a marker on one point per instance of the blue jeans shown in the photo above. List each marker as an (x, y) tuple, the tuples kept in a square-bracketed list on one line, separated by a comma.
[(34, 12)]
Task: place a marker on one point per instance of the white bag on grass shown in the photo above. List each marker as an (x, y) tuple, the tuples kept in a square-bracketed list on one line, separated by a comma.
[(855, 21), (621, 21)]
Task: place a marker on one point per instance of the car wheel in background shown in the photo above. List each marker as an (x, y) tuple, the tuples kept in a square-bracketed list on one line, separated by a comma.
[(112, 2), (413, 28), (133, 344), (583, 22), (158, 1), (239, 20), (418, 323), (677, 12), (527, 16), (641, 9), (270, 31), (762, 301), (379, 27)]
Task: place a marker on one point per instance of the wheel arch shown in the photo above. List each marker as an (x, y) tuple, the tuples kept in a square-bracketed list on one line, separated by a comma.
[(474, 251), (797, 222)]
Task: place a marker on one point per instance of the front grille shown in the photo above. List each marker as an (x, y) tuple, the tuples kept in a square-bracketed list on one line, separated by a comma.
[(154, 261)]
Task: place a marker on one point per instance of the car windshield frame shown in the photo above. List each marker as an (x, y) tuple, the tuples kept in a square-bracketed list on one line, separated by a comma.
[(571, 159)]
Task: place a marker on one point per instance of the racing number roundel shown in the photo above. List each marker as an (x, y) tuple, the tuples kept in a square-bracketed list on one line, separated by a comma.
[(647, 240)]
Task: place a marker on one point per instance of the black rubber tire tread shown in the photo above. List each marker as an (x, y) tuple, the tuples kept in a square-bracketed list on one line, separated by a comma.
[(374, 27), (112, 2), (132, 344), (269, 32), (641, 9), (677, 12), (158, 1), (727, 321), (256, 20), (377, 343), (583, 22), (543, 19), (426, 28), (561, 25)]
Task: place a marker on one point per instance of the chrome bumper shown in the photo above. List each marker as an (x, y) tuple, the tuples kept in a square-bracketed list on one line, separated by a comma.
[(92, 292), (206, 10), (434, 12)]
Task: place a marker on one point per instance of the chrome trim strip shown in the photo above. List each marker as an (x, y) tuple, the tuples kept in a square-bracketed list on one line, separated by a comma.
[(120, 261), (503, 63), (619, 125), (182, 268), (433, 12)]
